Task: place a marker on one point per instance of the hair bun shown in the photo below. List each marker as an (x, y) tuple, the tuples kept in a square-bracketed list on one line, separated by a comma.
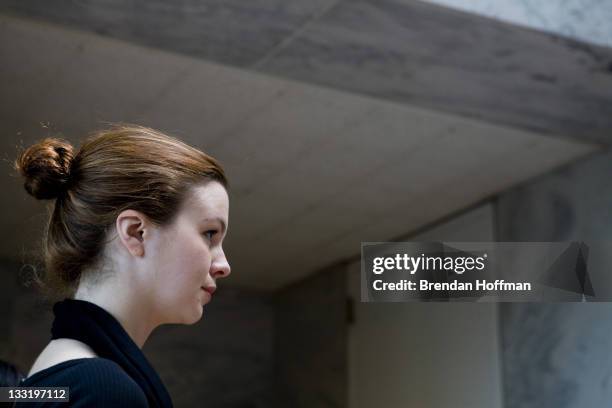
[(46, 167)]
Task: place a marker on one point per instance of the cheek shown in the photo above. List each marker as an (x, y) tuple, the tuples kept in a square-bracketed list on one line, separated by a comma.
[(185, 267), (182, 272)]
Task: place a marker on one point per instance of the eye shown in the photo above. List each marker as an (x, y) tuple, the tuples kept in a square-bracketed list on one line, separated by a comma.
[(210, 233)]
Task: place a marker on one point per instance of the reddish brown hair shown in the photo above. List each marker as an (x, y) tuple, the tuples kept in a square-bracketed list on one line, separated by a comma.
[(125, 166)]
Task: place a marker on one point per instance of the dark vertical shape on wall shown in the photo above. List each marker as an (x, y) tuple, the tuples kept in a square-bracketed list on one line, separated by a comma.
[(311, 341), (558, 354)]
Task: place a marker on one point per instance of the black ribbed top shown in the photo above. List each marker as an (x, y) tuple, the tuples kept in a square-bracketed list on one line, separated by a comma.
[(121, 375), (93, 382)]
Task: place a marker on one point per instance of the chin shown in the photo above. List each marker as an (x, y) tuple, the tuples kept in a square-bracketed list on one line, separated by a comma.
[(194, 316)]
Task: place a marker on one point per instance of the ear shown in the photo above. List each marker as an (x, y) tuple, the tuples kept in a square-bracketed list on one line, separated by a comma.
[(132, 228)]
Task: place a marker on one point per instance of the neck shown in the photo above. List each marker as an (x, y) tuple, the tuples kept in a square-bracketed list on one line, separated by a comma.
[(123, 305)]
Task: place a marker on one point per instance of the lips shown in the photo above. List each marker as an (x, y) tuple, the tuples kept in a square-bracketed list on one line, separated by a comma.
[(210, 289)]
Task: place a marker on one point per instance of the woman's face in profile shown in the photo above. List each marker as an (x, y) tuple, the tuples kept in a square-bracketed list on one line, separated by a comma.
[(188, 256)]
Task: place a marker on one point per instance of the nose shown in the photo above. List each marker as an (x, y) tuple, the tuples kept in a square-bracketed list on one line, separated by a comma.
[(220, 268)]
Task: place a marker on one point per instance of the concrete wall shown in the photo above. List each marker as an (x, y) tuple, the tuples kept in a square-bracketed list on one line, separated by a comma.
[(427, 355), (558, 355), (310, 341)]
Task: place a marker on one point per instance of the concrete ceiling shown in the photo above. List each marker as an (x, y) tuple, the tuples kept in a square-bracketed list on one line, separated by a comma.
[(407, 51), (314, 170)]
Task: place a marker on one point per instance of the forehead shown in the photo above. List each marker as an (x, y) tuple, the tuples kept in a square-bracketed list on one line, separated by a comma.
[(207, 200)]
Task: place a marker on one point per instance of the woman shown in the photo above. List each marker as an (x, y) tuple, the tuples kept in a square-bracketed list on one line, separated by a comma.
[(134, 241)]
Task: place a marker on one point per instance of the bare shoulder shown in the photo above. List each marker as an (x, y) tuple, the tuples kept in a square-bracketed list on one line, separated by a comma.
[(60, 350)]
